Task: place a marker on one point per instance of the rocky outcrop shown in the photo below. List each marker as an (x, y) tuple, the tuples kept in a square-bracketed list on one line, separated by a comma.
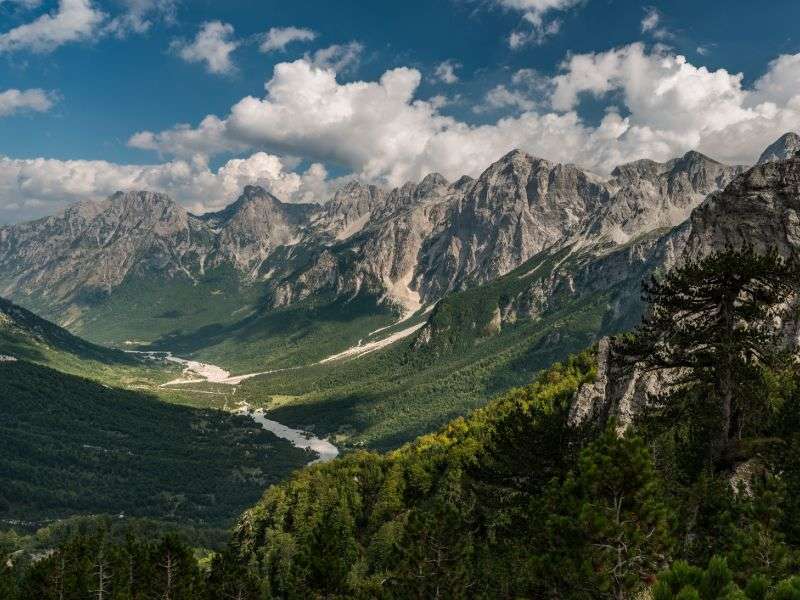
[(619, 392), (250, 229), (516, 208), (649, 195), (760, 207), (348, 212), (323, 275)]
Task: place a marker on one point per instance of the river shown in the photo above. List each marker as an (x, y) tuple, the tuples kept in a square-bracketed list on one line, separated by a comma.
[(201, 372)]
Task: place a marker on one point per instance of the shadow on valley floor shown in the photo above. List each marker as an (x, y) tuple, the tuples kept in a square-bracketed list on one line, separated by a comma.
[(70, 446), (302, 333)]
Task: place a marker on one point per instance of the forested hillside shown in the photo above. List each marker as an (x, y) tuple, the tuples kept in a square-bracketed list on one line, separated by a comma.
[(70, 446), (696, 496)]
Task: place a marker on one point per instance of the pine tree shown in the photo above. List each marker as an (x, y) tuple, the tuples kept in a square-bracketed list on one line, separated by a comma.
[(714, 320), (608, 528)]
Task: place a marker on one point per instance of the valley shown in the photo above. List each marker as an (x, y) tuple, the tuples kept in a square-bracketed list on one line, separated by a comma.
[(342, 364), (306, 312), (450, 300)]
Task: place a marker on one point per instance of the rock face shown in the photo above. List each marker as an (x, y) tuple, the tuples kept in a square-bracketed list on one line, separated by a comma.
[(760, 207), (250, 229), (408, 247), (787, 146), (349, 210), (423, 241), (91, 247), (519, 206), (650, 195)]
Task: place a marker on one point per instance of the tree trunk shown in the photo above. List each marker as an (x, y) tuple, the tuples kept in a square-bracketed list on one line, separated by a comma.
[(726, 409), (726, 375)]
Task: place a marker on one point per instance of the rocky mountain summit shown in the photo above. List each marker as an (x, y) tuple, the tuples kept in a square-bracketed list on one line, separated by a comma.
[(407, 247), (423, 241), (91, 248), (787, 146)]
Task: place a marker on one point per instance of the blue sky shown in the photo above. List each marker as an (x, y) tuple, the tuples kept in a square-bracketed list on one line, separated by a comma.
[(569, 80)]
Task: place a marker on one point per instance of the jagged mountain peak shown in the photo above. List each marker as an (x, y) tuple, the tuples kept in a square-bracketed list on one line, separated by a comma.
[(786, 146), (256, 195), (463, 182), (147, 196), (516, 155), (142, 209), (354, 186), (349, 209), (411, 244), (254, 202), (143, 200), (646, 168), (85, 209), (430, 183), (256, 191), (433, 180), (691, 158), (760, 207), (512, 169)]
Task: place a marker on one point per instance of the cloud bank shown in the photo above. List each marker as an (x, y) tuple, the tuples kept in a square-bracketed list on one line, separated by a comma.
[(37, 187), (657, 105)]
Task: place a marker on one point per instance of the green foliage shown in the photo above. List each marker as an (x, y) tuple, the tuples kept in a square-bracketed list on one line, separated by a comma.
[(713, 318), (466, 512), (512, 501), (71, 446), (20, 329), (100, 560), (608, 527), (684, 581), (716, 582), (298, 335)]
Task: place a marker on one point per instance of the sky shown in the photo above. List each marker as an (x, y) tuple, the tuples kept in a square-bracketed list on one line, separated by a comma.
[(198, 98)]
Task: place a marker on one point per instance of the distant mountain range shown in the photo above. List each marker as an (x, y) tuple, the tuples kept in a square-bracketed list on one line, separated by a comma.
[(139, 258)]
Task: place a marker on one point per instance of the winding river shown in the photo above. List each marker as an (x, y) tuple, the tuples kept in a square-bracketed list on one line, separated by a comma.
[(300, 439), (197, 372)]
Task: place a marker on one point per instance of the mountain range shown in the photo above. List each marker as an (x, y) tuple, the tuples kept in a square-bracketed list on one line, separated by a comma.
[(143, 256), (451, 292)]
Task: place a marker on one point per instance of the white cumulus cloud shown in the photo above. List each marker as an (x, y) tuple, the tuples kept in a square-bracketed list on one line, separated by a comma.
[(35, 187), (650, 24), (277, 38), (445, 72), (139, 15), (71, 21), (536, 14), (651, 19), (213, 45), (338, 58), (26, 4), (13, 101), (522, 93), (658, 106)]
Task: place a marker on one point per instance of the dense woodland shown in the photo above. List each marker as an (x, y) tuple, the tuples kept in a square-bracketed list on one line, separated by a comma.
[(72, 446), (699, 498)]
